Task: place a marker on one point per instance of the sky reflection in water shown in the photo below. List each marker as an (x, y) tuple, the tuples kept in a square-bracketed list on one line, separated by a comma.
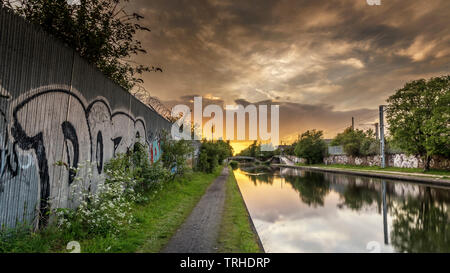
[(298, 211)]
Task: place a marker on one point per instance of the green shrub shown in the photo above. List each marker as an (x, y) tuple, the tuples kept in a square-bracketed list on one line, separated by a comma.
[(136, 164), (254, 150), (234, 164), (311, 147), (212, 154), (101, 212), (107, 210), (357, 142), (175, 155)]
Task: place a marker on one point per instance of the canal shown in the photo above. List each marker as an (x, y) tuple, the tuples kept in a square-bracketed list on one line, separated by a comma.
[(311, 211)]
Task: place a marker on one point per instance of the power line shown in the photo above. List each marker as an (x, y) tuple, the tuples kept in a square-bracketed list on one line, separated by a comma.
[(333, 130), (370, 118)]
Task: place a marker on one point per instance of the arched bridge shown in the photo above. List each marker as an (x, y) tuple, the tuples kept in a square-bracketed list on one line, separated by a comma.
[(241, 158), (277, 159)]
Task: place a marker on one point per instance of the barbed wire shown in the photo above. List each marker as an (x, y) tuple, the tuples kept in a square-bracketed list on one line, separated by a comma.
[(154, 103)]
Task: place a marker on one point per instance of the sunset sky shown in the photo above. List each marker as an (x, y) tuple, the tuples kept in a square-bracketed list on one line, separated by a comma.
[(321, 61)]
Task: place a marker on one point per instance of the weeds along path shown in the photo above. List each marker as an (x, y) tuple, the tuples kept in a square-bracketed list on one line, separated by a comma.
[(200, 231)]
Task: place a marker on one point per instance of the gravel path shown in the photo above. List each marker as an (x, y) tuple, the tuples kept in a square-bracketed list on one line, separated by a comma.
[(200, 231)]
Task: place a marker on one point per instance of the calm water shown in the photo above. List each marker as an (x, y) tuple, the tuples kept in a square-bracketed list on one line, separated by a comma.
[(301, 211)]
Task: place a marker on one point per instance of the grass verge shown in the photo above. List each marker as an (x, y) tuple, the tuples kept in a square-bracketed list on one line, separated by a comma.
[(388, 169), (156, 221), (236, 233)]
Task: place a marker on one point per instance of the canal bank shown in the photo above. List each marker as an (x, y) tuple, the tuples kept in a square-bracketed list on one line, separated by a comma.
[(155, 221), (297, 210), (220, 222), (409, 177), (238, 232)]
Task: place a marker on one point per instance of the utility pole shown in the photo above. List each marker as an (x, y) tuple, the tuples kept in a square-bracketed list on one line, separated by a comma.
[(353, 123), (383, 159)]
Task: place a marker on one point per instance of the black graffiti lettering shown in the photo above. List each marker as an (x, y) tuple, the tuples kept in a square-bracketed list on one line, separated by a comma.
[(37, 144), (99, 152), (13, 159), (7, 158), (9, 162), (89, 125), (70, 135), (116, 142)]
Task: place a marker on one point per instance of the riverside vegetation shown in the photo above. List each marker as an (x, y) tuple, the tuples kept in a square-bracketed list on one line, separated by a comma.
[(236, 233), (137, 206), (417, 116), (129, 180), (444, 173)]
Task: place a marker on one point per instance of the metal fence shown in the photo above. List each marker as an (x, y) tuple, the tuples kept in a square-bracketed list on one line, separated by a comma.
[(55, 107), (336, 150)]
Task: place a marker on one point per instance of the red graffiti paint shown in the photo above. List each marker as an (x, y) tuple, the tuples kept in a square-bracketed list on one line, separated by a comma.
[(151, 152)]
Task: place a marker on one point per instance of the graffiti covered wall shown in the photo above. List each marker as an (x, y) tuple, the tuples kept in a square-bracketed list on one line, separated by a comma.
[(54, 107), (392, 160)]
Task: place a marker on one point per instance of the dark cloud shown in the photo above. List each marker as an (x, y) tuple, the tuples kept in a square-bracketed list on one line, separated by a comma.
[(322, 61), (297, 117)]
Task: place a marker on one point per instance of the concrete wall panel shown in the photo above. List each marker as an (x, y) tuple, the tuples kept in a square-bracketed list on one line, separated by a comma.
[(55, 107)]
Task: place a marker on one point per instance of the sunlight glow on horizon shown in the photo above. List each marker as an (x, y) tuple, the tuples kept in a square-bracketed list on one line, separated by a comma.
[(238, 146)]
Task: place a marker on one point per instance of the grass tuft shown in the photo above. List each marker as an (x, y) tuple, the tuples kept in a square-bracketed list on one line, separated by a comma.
[(236, 233), (377, 168), (156, 221)]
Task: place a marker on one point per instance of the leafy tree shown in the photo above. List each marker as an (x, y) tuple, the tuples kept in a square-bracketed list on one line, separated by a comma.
[(418, 115), (357, 142), (311, 146), (290, 149), (213, 153), (135, 164), (253, 150), (101, 31), (234, 164), (225, 149), (175, 154)]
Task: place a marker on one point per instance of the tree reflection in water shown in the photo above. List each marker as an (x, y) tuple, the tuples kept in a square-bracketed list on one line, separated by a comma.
[(311, 186), (418, 215), (261, 174), (421, 224), (357, 195)]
